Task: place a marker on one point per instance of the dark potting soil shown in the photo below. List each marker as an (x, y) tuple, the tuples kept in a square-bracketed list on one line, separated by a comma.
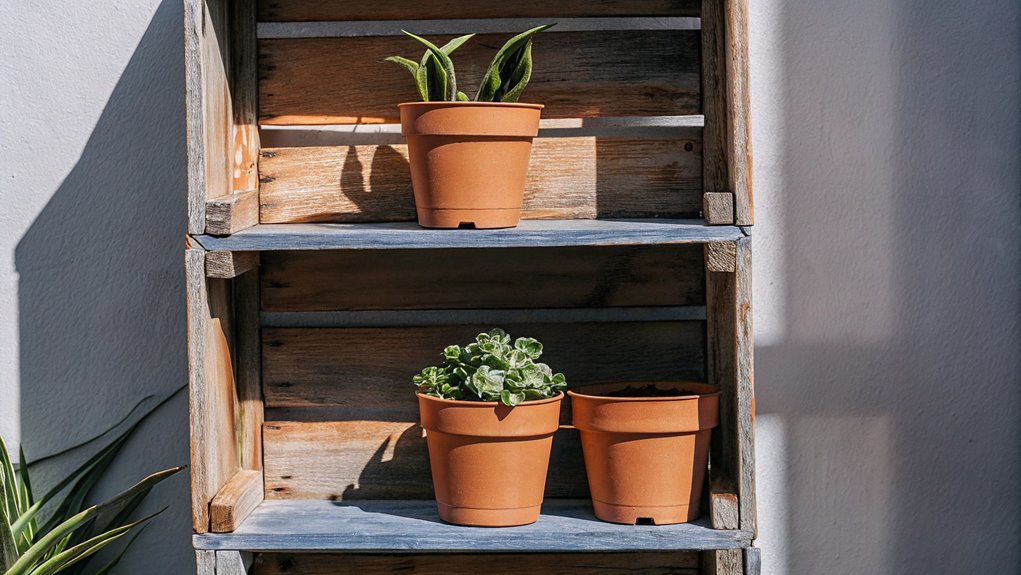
[(649, 391)]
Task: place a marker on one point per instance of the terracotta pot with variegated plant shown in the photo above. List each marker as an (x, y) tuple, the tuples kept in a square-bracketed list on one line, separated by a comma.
[(469, 157)]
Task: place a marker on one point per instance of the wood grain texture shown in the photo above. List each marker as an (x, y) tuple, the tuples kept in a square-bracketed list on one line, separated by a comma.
[(651, 563), (363, 368), (230, 563), (249, 369), (366, 460), (302, 10), (714, 99), (583, 177), (723, 562), (718, 208), (729, 332), (752, 561), (528, 234), (230, 264), (205, 562), (625, 276), (308, 81), (245, 95), (720, 256), (739, 111), (565, 526), (208, 106), (235, 501), (723, 504), (232, 213)]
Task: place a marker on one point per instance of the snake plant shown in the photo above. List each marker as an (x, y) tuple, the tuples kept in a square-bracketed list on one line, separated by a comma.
[(66, 539), (505, 78)]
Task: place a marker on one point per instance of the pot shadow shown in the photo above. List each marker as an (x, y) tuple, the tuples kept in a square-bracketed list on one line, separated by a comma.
[(388, 194)]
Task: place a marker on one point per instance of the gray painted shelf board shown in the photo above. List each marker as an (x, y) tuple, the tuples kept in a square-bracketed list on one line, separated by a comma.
[(530, 233), (406, 526)]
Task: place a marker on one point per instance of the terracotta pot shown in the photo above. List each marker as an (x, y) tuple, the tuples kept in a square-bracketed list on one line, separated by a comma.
[(488, 460), (645, 457), (469, 161)]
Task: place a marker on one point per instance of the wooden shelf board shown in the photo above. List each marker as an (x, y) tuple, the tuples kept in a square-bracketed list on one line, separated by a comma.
[(530, 233), (566, 525)]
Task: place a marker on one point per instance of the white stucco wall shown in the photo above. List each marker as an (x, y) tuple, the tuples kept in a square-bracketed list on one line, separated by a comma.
[(887, 266)]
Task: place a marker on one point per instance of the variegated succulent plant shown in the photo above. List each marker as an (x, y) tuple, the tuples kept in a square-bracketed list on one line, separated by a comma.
[(491, 368), (504, 80)]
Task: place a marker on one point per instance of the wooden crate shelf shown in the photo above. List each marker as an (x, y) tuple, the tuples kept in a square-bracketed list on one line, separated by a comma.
[(403, 526), (529, 234), (304, 267)]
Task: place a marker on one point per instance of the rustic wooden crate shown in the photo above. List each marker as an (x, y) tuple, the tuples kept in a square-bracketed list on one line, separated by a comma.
[(313, 297)]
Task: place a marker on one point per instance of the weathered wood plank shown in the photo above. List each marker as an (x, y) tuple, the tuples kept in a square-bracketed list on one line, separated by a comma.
[(208, 106), (723, 562), (302, 10), (211, 390), (729, 333), (205, 562), (365, 368), (583, 177), (307, 81), (720, 256), (249, 369), (714, 103), (718, 208), (360, 28), (367, 460), (649, 563), (447, 317), (235, 501), (723, 505), (232, 213), (230, 264), (739, 111), (566, 525), (624, 276), (529, 234), (245, 95), (752, 561), (230, 563)]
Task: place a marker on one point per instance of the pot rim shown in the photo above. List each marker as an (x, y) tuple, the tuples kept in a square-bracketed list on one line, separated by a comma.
[(472, 104), (679, 384), (465, 403)]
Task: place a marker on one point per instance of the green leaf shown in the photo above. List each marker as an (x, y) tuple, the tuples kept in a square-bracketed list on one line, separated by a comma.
[(462, 97), (504, 63), (511, 398), (86, 548), (120, 555), (529, 346), (446, 65), (37, 551), (413, 67), (515, 83)]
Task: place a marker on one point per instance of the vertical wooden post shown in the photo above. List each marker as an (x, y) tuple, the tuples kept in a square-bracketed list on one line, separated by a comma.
[(249, 370)]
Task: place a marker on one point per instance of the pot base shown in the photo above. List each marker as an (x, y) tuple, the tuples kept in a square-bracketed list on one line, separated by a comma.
[(478, 219), (634, 515), (488, 517)]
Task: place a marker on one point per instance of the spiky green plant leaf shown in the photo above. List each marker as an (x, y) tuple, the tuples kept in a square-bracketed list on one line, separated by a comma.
[(411, 66), (120, 555), (65, 559), (446, 65), (497, 80)]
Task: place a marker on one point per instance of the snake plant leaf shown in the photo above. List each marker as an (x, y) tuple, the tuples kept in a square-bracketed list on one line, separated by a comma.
[(83, 550), (120, 555), (462, 97), (450, 91), (413, 67), (519, 77), (504, 64), (38, 551), (436, 74)]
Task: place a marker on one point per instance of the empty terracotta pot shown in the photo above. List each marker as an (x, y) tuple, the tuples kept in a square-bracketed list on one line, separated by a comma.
[(488, 460), (645, 457), (469, 161)]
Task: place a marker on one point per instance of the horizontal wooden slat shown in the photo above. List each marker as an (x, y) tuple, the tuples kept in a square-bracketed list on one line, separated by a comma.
[(353, 29), (678, 563), (566, 525), (623, 276), (528, 234), (416, 318), (371, 368), (583, 177), (358, 460), (303, 10), (343, 81)]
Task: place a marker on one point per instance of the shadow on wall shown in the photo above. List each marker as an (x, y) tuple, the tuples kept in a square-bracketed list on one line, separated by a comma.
[(101, 297), (895, 375)]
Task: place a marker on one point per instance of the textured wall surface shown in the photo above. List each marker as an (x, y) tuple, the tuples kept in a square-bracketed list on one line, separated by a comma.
[(888, 264)]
